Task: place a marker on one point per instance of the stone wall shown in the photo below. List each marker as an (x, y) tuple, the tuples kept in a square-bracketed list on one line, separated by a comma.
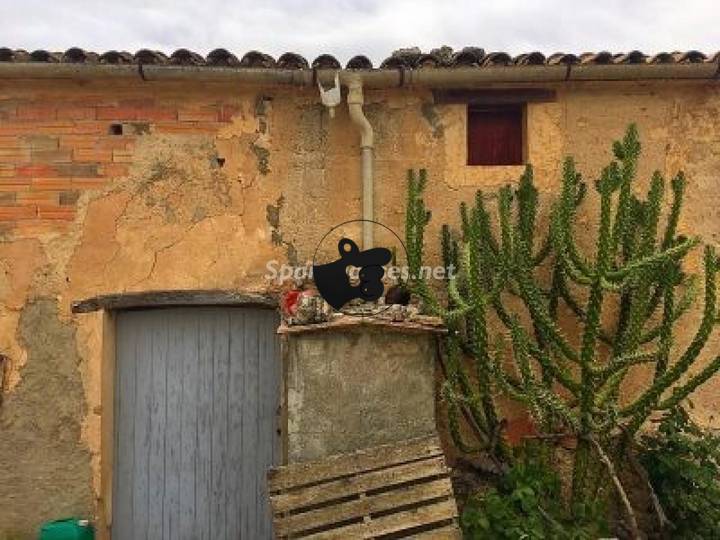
[(109, 187)]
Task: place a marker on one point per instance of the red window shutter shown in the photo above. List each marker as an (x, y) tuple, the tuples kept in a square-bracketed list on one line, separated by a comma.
[(495, 135)]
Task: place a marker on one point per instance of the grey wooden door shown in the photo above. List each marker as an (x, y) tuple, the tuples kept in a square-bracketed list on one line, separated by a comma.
[(196, 423)]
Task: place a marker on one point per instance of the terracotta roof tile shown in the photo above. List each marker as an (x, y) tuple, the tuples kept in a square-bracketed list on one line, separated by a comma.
[(291, 60), (602, 57), (45, 56), (359, 62), (184, 57), (409, 58), (692, 57), (633, 57), (326, 61), (115, 57), (222, 57), (662, 58), (256, 59), (146, 56), (497, 59), (469, 56), (562, 58), (530, 59), (76, 55)]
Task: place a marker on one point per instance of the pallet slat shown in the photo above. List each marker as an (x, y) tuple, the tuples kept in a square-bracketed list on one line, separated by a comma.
[(425, 515), (448, 532), (393, 523), (300, 474), (368, 505), (385, 490), (346, 487)]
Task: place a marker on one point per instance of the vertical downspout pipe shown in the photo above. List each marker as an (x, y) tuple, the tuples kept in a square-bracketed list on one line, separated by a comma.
[(355, 102)]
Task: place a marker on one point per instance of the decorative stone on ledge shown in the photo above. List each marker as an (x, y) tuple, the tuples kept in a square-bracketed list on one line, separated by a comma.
[(420, 324)]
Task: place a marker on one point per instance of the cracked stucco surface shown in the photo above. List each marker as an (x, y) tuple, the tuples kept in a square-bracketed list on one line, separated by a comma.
[(200, 210), (335, 406)]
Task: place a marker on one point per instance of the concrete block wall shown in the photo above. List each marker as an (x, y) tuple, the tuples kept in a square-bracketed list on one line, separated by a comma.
[(356, 389)]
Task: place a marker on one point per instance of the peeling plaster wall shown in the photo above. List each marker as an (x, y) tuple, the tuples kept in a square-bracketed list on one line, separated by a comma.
[(208, 183), (44, 465)]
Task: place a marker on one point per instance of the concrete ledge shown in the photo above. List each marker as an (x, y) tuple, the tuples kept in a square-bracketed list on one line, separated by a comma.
[(151, 299), (422, 324)]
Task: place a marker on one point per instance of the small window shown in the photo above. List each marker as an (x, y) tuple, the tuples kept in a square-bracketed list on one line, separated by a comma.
[(495, 135)]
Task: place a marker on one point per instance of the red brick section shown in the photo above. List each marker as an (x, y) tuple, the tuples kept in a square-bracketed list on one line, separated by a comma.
[(51, 152)]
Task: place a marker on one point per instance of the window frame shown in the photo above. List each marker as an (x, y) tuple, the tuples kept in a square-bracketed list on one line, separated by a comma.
[(520, 107)]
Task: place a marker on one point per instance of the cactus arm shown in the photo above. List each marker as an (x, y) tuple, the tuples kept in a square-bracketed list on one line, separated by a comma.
[(533, 298), (622, 362), (678, 184), (608, 389), (486, 232), (467, 399), (574, 306), (541, 401), (680, 393), (627, 152), (652, 261), (635, 303), (678, 188), (595, 302), (686, 302), (527, 197), (510, 386), (577, 269), (453, 409), (477, 323), (544, 251), (561, 375), (642, 406), (449, 250), (666, 325), (504, 211), (563, 219)]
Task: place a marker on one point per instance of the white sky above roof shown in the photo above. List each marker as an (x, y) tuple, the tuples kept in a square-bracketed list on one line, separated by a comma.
[(375, 28)]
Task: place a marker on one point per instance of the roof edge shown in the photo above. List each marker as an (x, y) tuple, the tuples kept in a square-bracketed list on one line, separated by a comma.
[(456, 77)]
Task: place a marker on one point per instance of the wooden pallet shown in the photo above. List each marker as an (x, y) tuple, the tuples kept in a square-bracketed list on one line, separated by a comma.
[(401, 490)]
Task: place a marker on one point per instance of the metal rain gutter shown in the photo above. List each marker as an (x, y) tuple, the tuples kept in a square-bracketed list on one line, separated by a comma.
[(463, 77)]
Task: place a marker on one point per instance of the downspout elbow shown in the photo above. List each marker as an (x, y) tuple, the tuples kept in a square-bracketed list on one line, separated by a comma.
[(355, 102)]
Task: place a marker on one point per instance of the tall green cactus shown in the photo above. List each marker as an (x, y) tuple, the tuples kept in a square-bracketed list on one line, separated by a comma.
[(633, 277)]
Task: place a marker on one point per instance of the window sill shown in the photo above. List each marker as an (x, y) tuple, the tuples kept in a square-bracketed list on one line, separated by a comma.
[(486, 175)]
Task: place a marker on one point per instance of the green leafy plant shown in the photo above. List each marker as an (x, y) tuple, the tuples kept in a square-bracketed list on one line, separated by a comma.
[(683, 464), (624, 298), (527, 503)]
